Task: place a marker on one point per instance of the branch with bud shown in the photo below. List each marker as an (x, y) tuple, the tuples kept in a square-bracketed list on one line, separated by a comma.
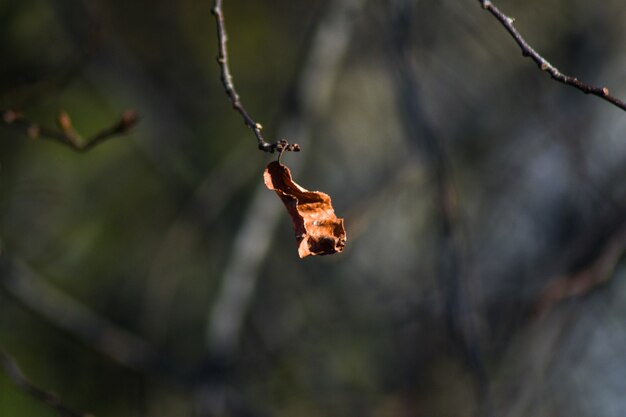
[(65, 132)]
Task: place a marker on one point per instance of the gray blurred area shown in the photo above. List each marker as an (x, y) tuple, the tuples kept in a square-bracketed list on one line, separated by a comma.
[(485, 208)]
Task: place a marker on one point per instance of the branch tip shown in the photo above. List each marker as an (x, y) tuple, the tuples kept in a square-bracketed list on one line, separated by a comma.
[(127, 121)]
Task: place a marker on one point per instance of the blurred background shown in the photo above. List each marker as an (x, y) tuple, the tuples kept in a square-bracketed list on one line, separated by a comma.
[(484, 205)]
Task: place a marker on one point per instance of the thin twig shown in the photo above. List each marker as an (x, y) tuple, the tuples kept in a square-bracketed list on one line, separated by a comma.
[(66, 134), (15, 374), (544, 65), (229, 88)]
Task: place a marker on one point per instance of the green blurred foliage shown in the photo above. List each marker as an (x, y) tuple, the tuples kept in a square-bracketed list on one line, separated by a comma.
[(364, 333)]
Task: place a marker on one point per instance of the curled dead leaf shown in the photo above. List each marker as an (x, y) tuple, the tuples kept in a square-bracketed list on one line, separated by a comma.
[(318, 230)]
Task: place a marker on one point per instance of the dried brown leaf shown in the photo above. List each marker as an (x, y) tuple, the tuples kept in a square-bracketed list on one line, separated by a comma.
[(318, 230)]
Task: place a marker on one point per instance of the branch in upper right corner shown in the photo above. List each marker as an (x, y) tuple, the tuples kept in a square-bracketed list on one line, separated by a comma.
[(544, 65)]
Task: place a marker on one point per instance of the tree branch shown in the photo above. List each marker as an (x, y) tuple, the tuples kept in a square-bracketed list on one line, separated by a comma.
[(544, 65), (15, 374), (66, 134), (229, 87)]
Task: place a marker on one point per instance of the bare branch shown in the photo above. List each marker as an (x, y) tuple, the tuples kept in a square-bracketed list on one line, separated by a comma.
[(544, 65), (227, 80), (66, 134), (15, 374)]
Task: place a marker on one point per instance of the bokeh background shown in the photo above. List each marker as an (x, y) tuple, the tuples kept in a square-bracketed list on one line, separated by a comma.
[(484, 205)]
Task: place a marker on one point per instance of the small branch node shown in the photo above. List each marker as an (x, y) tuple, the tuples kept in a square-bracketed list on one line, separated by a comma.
[(64, 122), (127, 121)]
